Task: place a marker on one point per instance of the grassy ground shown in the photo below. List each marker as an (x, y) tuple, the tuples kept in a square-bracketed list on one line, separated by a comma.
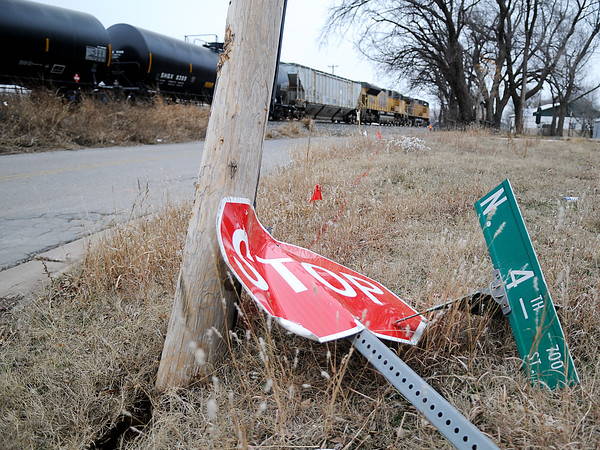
[(77, 365), (43, 121)]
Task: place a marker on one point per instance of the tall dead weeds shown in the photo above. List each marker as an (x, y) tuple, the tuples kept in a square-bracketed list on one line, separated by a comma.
[(43, 121), (74, 363)]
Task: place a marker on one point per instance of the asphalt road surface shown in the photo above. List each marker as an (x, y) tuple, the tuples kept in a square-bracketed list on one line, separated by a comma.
[(52, 198)]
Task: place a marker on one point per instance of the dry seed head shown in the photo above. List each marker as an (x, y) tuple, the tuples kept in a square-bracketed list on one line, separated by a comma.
[(268, 386), (200, 356), (212, 409), (262, 407), (217, 332), (235, 337), (238, 309)]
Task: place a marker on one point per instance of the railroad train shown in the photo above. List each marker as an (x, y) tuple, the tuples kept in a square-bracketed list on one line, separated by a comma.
[(72, 52), (302, 91)]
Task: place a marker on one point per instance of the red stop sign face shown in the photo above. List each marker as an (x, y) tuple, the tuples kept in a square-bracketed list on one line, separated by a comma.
[(308, 294)]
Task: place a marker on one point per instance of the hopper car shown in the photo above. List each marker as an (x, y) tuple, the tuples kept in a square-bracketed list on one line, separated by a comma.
[(72, 52)]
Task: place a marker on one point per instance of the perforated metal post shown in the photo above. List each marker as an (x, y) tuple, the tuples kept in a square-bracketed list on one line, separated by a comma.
[(442, 415)]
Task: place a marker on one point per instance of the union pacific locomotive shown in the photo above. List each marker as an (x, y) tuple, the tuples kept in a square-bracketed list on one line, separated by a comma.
[(71, 51)]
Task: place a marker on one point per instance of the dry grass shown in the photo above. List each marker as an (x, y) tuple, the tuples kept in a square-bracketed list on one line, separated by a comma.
[(43, 121), (82, 357), (291, 129)]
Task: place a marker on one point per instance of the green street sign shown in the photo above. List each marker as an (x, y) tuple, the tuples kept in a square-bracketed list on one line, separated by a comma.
[(528, 305)]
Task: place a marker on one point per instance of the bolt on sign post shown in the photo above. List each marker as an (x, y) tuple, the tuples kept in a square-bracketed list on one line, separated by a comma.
[(319, 299), (535, 325), (230, 166)]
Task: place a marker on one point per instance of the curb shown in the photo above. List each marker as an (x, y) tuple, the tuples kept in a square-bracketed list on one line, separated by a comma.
[(29, 278)]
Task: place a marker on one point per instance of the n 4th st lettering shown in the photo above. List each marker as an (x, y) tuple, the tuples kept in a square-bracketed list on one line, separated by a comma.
[(536, 328)]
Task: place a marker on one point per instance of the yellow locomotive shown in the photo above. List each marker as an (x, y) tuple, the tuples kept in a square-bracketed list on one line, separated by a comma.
[(377, 105), (418, 111)]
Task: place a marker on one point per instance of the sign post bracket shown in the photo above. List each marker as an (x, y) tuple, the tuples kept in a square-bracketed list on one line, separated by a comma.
[(498, 293), (477, 301)]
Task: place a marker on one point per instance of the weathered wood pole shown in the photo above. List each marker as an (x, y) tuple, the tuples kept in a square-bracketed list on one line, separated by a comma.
[(230, 167)]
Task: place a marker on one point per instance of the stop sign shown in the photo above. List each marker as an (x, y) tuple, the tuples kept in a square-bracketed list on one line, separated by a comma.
[(308, 294)]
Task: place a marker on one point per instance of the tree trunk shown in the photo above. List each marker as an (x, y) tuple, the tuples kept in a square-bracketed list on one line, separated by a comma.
[(518, 106), (560, 123), (458, 83)]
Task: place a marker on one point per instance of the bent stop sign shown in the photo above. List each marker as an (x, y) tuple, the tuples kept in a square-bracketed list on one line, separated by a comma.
[(320, 299), (307, 293)]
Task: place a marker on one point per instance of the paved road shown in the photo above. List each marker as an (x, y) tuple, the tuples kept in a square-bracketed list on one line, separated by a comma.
[(52, 198)]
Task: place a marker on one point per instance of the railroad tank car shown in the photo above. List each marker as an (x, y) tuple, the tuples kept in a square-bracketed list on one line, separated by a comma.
[(308, 92), (52, 46), (151, 62)]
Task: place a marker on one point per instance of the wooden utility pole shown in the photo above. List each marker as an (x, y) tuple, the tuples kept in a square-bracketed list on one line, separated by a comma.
[(203, 306)]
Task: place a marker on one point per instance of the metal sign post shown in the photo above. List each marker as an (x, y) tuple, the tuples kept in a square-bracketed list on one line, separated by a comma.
[(316, 298), (441, 414), (520, 288)]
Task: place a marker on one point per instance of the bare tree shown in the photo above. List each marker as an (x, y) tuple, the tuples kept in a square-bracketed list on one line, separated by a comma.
[(568, 78), (476, 55), (420, 40), (534, 35)]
